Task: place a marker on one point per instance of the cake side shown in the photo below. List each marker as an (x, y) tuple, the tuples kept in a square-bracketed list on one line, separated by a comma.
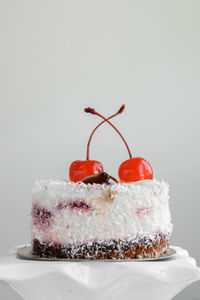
[(113, 249), (75, 220)]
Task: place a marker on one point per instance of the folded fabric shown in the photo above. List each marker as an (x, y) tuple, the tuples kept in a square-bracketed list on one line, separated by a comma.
[(97, 280)]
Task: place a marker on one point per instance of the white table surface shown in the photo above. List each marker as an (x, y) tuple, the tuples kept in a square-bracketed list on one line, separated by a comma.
[(95, 280)]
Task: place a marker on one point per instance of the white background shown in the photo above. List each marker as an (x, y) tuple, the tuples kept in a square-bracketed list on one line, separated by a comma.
[(57, 57)]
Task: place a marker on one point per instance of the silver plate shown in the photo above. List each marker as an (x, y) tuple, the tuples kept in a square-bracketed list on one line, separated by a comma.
[(26, 253)]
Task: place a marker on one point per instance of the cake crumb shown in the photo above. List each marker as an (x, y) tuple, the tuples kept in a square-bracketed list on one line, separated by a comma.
[(109, 196)]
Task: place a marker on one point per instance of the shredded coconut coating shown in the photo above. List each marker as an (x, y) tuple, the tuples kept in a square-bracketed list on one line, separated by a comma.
[(68, 213)]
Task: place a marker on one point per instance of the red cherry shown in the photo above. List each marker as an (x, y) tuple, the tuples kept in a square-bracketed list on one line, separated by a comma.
[(135, 169), (79, 169)]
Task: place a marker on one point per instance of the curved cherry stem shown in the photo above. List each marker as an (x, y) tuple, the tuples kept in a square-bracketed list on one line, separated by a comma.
[(90, 138), (92, 111)]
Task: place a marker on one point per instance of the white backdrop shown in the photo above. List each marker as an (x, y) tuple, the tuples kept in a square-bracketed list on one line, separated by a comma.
[(57, 57)]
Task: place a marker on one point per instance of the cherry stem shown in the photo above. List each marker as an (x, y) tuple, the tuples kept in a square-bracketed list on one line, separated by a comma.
[(90, 138), (92, 111)]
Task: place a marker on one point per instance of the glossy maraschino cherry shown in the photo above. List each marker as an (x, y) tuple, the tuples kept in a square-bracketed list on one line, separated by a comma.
[(133, 169), (80, 169)]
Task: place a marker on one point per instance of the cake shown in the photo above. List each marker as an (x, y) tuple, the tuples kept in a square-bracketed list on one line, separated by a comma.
[(74, 220), (99, 217)]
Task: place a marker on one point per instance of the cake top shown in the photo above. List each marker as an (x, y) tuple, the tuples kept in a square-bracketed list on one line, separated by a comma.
[(55, 190), (89, 174), (62, 184)]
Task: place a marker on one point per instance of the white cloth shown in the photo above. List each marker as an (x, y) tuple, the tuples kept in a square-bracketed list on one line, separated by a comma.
[(95, 280)]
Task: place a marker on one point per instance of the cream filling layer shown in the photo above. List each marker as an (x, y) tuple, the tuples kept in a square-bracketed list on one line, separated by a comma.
[(139, 209)]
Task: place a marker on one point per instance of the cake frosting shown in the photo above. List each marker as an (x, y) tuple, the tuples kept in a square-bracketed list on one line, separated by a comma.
[(67, 215)]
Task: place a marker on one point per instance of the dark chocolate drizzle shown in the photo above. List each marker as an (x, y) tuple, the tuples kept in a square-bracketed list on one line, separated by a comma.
[(101, 178)]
